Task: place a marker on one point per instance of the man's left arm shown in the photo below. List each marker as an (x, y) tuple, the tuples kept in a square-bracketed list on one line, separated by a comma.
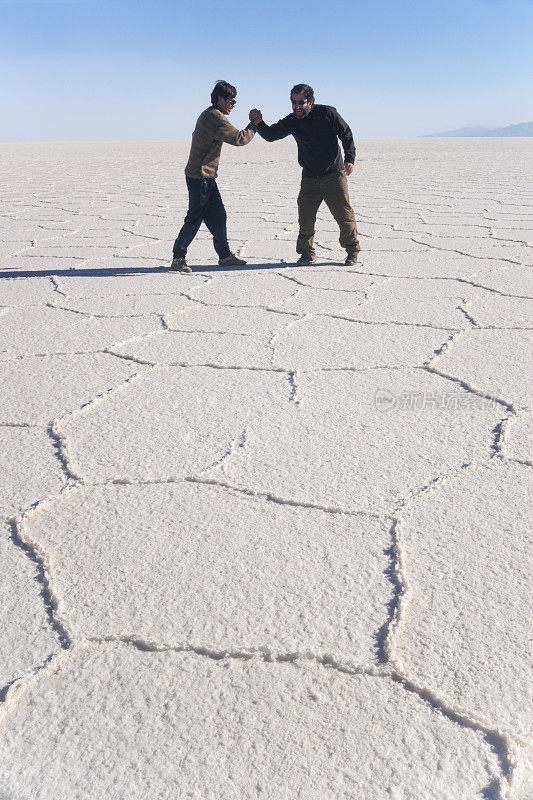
[(343, 131)]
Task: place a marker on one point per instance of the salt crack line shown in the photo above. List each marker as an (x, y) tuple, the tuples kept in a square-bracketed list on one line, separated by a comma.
[(279, 331), (493, 290), (369, 292), (501, 430), (492, 235), (134, 359), (168, 293), (38, 242), (18, 425), (18, 688), (467, 281), (523, 462), (388, 322), (92, 315), (463, 309), (239, 490), (505, 743), (257, 306), (444, 224), (398, 621), (283, 501), (141, 338), (123, 251), (23, 305), (170, 329), (326, 248), (507, 404), (237, 443), (62, 448), (295, 395), (29, 356), (404, 590), (141, 235), (303, 290), (62, 441), (468, 255), (53, 601), (504, 328), (393, 367), (164, 322), (506, 426), (188, 295), (294, 280), (57, 288), (445, 347), (200, 365), (60, 307), (333, 289), (257, 653)]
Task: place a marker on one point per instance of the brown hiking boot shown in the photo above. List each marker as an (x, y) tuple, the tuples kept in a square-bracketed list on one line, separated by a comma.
[(180, 265), (351, 259), (306, 259)]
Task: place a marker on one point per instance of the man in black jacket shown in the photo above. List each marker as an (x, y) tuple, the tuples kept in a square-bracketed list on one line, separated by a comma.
[(317, 130)]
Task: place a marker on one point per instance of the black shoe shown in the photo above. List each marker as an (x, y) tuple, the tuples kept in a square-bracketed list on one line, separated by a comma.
[(232, 261), (305, 260)]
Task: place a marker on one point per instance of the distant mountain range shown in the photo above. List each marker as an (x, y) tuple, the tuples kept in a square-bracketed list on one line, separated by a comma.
[(521, 129)]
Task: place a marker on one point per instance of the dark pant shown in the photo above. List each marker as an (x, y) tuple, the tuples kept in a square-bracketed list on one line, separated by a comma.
[(333, 190), (205, 205)]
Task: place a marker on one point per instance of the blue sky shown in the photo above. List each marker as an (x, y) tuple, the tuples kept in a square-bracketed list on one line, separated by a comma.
[(82, 70)]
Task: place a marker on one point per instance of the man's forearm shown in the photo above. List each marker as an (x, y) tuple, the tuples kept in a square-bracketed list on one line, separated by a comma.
[(271, 133), (264, 131), (231, 135)]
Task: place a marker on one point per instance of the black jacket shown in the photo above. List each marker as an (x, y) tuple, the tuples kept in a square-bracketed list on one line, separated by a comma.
[(316, 136)]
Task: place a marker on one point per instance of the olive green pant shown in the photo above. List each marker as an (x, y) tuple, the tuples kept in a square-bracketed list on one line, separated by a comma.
[(333, 190)]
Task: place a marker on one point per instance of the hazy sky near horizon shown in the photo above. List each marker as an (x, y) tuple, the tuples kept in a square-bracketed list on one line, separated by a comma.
[(143, 70)]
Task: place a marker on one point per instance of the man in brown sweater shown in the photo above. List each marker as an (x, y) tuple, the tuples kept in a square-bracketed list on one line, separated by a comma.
[(205, 203)]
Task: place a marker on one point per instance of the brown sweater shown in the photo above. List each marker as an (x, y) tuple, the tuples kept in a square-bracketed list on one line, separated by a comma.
[(212, 129)]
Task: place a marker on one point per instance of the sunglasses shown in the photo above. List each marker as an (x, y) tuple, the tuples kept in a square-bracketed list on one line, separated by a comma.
[(232, 102), (298, 102)]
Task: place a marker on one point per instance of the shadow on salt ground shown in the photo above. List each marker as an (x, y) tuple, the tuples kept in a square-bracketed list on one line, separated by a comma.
[(95, 272)]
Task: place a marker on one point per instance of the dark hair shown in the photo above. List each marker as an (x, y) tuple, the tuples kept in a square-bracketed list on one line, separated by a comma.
[(305, 88), (224, 90)]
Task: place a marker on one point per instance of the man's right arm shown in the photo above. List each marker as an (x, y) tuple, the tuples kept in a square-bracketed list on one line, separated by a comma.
[(220, 128), (271, 133)]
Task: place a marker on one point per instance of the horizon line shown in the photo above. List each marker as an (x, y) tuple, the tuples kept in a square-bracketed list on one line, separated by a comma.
[(188, 139)]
